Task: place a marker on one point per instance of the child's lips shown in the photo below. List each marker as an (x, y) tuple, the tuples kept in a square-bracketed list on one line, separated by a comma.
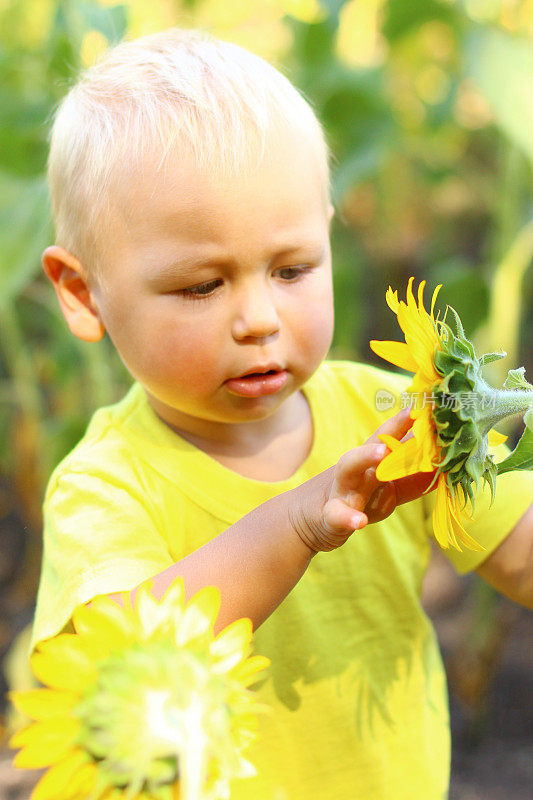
[(258, 384)]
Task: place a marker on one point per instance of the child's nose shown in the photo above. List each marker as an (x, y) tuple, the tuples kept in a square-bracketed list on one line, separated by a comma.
[(256, 315)]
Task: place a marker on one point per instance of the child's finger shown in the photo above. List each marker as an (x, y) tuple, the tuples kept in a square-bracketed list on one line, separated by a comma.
[(362, 489), (396, 426), (382, 502), (408, 435), (353, 464), (413, 486), (340, 519)]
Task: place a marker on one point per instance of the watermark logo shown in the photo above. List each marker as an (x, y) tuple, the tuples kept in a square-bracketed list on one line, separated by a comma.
[(473, 401), (453, 401), (384, 400)]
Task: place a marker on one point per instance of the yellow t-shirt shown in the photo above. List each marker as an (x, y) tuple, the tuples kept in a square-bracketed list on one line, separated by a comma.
[(356, 682)]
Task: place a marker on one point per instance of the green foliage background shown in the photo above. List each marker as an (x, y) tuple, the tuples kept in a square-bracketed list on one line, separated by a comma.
[(427, 108)]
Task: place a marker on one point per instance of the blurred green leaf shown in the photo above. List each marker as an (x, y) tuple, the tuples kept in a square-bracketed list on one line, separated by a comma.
[(24, 232), (64, 44), (312, 43), (402, 16), (357, 166), (501, 65), (112, 21), (333, 7), (22, 134), (465, 289), (502, 328)]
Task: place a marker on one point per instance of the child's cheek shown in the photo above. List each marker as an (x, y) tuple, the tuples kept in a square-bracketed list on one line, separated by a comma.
[(186, 354), (315, 328), (317, 337)]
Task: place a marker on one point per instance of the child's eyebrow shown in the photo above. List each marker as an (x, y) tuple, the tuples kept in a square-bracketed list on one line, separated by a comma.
[(184, 264)]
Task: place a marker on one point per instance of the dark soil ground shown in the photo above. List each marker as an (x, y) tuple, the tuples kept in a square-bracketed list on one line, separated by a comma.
[(492, 753), (492, 756)]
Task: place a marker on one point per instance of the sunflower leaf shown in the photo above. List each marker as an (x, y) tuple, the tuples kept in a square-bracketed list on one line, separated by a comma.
[(522, 456), (488, 358), (516, 379)]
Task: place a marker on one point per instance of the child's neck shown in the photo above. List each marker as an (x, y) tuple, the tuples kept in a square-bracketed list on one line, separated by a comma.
[(270, 452)]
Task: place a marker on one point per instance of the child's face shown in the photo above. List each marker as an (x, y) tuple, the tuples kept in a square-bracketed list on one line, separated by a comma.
[(183, 326)]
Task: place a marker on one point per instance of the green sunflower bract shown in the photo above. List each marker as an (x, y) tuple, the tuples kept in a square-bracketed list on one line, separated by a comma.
[(143, 702)]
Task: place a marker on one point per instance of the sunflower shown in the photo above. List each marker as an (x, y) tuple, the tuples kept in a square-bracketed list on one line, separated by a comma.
[(143, 702), (453, 408)]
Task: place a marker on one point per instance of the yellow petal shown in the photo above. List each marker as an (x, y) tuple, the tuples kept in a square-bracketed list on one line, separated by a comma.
[(462, 535), (425, 319), (471, 543), (409, 294), (452, 538), (175, 594), (420, 348), (153, 617), (392, 300), (435, 293), (247, 672), (420, 340), (43, 703), (198, 618), (421, 337), (405, 460), (56, 782), (207, 601), (231, 645), (396, 352), (440, 513), (392, 443), (421, 286), (64, 662), (420, 385), (45, 743), (416, 315), (425, 434), (107, 620), (83, 782), (193, 625), (463, 504), (447, 524), (496, 438), (47, 732)]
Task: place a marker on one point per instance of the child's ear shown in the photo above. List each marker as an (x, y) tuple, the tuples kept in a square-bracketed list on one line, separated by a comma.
[(69, 279)]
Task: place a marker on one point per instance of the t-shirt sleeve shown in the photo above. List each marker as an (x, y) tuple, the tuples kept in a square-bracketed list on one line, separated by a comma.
[(490, 523), (100, 536)]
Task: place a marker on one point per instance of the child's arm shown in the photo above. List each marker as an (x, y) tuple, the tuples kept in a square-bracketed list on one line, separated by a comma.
[(258, 560), (509, 569)]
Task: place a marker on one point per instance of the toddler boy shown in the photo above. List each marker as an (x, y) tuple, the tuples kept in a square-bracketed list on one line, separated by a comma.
[(190, 190)]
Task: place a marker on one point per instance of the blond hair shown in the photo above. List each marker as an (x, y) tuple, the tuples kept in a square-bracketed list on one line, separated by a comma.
[(178, 91)]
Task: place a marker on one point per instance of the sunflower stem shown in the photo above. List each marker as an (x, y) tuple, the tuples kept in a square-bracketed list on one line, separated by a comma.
[(193, 754), (503, 403)]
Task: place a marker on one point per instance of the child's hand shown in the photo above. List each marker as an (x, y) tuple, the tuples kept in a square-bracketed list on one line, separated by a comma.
[(349, 494)]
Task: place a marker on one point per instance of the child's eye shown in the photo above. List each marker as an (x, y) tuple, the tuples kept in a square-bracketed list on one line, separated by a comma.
[(205, 290), (199, 292), (295, 270)]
